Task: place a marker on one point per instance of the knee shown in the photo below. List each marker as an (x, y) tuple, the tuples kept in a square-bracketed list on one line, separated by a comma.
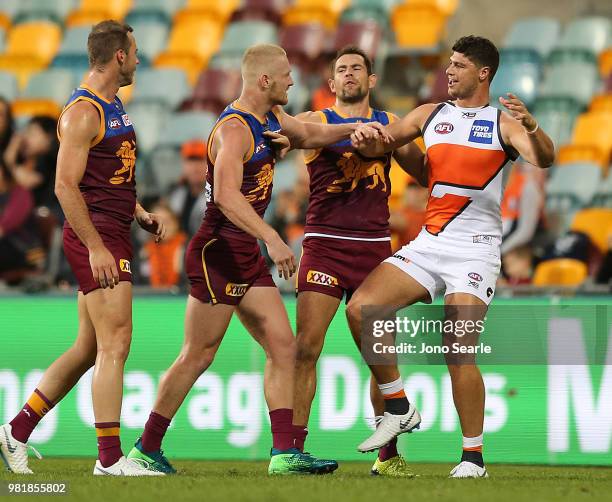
[(282, 349), (353, 310), (117, 346), (308, 349), (196, 362)]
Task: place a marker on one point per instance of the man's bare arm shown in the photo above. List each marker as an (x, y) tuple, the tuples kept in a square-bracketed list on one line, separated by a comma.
[(77, 127), (534, 146), (230, 145), (412, 160), (401, 131)]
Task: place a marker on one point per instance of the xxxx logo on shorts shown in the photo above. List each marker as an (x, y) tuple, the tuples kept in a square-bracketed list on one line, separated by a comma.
[(321, 278), (124, 266), (232, 289)]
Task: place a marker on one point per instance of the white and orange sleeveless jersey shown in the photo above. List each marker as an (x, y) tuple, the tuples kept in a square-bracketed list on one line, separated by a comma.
[(467, 159)]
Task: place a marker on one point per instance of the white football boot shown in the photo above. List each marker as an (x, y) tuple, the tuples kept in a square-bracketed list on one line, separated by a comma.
[(14, 453), (467, 469), (390, 427), (125, 467)]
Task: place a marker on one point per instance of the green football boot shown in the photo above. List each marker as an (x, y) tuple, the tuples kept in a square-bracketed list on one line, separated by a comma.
[(293, 461), (154, 461)]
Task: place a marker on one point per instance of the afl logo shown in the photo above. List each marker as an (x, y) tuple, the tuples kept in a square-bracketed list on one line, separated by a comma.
[(114, 123), (474, 276), (444, 128)]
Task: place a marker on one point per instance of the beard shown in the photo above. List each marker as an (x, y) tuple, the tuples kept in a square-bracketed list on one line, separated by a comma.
[(355, 95)]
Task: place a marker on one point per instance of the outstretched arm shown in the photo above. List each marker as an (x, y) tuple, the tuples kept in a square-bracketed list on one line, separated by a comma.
[(401, 132), (310, 135), (229, 147), (521, 131)]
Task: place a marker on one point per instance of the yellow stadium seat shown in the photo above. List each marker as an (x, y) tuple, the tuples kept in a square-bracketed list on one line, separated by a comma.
[(601, 103), (113, 9), (85, 18), (23, 67), (311, 14), (31, 107), (38, 39), (605, 62), (222, 10), (560, 272), (191, 45), (336, 6), (418, 26), (582, 153), (447, 7), (596, 223), (593, 128)]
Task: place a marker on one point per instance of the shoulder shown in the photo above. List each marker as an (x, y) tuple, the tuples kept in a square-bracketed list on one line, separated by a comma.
[(82, 117)]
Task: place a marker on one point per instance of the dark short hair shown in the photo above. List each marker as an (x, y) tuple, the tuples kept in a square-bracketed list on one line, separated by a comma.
[(352, 49), (480, 51), (105, 39)]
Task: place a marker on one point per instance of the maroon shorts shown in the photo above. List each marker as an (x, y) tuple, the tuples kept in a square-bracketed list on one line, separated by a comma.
[(337, 266), (221, 269), (117, 241)]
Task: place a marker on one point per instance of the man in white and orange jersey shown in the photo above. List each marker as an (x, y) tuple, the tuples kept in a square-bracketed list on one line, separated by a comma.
[(469, 143)]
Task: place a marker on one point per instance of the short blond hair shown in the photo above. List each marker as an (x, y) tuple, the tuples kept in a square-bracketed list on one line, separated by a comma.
[(258, 59)]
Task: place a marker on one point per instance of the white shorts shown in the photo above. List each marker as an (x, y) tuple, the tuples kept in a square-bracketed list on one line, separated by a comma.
[(442, 269)]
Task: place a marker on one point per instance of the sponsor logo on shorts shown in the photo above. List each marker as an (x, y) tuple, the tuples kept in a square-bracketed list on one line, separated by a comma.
[(400, 257), (474, 284), (126, 120), (232, 289), (489, 292), (321, 278), (444, 128), (468, 115), (114, 123), (482, 239), (482, 132), (124, 266), (475, 277)]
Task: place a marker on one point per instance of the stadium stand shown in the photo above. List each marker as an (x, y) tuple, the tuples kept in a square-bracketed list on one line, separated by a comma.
[(560, 272)]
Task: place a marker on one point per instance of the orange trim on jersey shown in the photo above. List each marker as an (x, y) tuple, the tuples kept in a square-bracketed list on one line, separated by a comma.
[(442, 210), (344, 116), (101, 130), (213, 298), (462, 165), (225, 119), (390, 117), (310, 155), (235, 105), (95, 93)]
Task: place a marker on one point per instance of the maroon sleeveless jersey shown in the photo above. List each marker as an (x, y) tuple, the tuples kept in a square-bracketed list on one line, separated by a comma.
[(108, 185), (257, 175), (348, 193)]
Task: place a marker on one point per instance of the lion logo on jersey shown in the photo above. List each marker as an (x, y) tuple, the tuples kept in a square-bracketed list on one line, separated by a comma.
[(127, 154), (264, 180), (354, 169)]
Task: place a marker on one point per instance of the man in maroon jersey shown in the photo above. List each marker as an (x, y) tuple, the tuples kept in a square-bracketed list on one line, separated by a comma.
[(224, 264), (346, 234), (95, 184)]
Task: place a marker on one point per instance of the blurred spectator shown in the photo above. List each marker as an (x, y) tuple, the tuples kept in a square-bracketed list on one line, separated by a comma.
[(20, 245), (165, 260), (518, 266), (32, 156), (522, 206), (407, 221), (7, 125), (188, 198), (323, 97)]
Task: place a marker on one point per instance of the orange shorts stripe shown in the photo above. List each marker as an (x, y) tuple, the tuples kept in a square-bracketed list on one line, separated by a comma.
[(109, 431), (395, 395), (38, 404)]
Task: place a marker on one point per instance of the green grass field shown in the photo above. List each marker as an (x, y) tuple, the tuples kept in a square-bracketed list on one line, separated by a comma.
[(238, 481)]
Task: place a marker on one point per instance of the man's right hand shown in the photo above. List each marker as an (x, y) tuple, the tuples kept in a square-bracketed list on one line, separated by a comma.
[(103, 267), (282, 256)]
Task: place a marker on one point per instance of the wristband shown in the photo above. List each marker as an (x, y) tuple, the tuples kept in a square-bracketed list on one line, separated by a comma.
[(534, 131)]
